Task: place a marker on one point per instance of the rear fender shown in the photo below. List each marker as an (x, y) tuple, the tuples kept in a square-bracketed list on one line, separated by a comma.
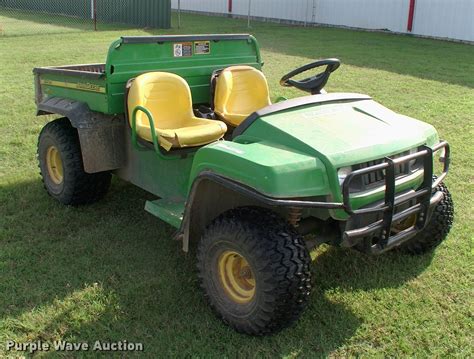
[(102, 137)]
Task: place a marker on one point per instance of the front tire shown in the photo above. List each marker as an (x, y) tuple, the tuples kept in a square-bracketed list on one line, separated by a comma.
[(437, 229), (255, 270), (61, 167)]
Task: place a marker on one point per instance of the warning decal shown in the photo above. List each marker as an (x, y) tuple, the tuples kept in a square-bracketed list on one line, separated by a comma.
[(183, 49), (202, 47)]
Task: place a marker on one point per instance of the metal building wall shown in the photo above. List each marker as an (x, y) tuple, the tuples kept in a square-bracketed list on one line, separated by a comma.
[(366, 14), (369, 14), (294, 10), (452, 19)]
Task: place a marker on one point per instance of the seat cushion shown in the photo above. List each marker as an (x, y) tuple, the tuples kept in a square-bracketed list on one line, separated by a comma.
[(240, 90), (195, 132), (168, 98), (233, 119)]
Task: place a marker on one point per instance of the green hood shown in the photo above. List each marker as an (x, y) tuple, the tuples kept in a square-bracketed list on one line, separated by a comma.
[(342, 132), (294, 149)]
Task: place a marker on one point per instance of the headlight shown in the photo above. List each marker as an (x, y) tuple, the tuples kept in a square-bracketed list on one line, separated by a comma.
[(441, 154), (439, 158), (411, 164), (343, 172)]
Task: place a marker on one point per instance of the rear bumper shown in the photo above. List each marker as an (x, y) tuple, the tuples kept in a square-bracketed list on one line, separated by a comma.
[(420, 202)]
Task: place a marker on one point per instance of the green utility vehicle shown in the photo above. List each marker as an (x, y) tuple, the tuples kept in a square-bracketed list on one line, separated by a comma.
[(189, 119)]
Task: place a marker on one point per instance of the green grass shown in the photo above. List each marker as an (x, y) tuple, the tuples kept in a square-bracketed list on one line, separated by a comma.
[(110, 271)]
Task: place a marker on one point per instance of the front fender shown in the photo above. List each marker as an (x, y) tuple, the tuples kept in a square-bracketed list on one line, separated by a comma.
[(274, 171)]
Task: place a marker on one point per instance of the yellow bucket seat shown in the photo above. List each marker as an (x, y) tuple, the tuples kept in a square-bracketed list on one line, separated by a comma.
[(168, 98), (240, 90)]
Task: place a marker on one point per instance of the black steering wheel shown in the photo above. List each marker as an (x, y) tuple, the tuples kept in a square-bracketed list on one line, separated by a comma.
[(313, 84)]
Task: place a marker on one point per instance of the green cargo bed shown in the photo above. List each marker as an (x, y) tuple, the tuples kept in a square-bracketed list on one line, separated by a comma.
[(102, 86), (84, 83)]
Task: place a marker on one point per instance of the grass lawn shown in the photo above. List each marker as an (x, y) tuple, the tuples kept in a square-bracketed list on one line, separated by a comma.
[(110, 271)]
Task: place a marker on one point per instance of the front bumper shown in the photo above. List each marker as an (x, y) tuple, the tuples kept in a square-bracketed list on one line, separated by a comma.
[(394, 207), (420, 202)]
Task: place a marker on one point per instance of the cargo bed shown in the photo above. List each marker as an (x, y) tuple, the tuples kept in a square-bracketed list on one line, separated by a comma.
[(102, 86), (85, 83)]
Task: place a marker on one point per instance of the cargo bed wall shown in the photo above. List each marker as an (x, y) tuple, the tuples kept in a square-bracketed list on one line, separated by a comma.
[(193, 57), (83, 83)]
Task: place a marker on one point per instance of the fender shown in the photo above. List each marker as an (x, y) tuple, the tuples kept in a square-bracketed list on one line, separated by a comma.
[(102, 137), (77, 112), (226, 194)]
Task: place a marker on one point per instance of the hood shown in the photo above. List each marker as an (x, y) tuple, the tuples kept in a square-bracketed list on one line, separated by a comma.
[(345, 132)]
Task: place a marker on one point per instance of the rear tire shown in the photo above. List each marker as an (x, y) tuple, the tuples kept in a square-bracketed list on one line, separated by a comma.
[(437, 229), (62, 170), (255, 270)]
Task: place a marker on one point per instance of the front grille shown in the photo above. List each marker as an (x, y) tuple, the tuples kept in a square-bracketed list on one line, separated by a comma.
[(377, 178)]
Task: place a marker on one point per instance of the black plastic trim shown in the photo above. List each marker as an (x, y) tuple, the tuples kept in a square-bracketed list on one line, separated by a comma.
[(175, 38), (183, 232), (295, 103), (66, 72), (271, 201), (78, 112)]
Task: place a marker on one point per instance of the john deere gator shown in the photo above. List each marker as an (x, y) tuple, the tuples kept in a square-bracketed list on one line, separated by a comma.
[(190, 120)]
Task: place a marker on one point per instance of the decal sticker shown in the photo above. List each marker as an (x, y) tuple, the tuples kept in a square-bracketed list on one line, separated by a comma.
[(202, 47), (183, 49), (76, 86)]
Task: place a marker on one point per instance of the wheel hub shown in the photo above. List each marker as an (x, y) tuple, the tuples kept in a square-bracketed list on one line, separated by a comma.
[(236, 277), (54, 165)]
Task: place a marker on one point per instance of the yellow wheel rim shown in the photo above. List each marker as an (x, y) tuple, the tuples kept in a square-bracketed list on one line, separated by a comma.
[(236, 277), (404, 224), (54, 165)]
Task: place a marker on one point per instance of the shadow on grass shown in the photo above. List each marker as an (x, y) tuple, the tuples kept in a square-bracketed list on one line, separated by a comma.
[(421, 58), (402, 54), (109, 271)]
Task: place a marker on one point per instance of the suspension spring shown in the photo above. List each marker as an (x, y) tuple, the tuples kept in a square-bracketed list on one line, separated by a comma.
[(294, 216)]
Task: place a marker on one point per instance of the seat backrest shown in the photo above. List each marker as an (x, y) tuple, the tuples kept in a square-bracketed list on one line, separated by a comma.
[(241, 90), (167, 96)]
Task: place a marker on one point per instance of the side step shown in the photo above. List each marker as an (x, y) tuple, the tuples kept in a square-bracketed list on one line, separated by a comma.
[(169, 211)]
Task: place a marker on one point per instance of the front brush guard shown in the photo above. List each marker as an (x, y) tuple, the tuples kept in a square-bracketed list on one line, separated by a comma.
[(380, 227), (423, 208)]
